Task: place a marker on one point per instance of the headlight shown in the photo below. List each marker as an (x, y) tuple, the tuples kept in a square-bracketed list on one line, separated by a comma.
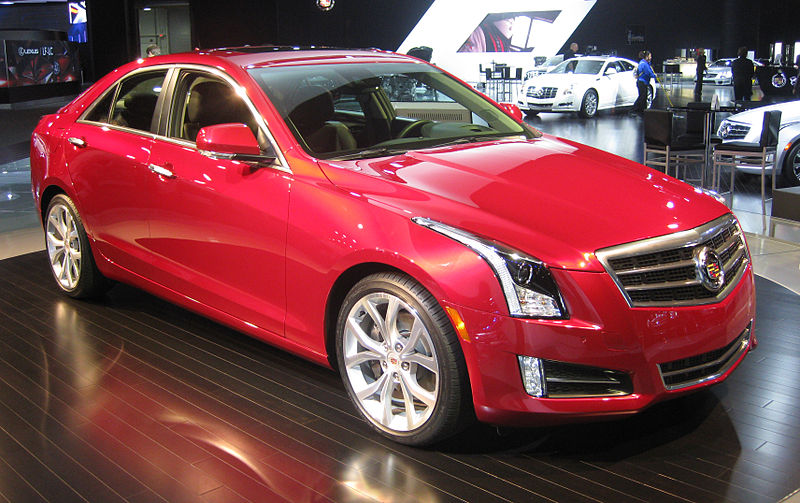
[(529, 74), (724, 129), (529, 288)]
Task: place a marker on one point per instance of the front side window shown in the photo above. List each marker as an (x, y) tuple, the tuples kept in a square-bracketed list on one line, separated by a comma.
[(366, 109), (580, 66), (202, 99), (136, 100)]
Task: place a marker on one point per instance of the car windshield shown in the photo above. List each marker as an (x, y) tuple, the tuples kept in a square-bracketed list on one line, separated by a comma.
[(721, 63), (582, 66), (370, 109)]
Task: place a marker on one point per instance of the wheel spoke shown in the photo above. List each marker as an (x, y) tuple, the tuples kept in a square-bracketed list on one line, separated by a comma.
[(391, 334), (351, 361), (373, 387), (386, 399), (422, 360), (364, 339), (411, 412), (373, 313), (420, 393), (417, 329)]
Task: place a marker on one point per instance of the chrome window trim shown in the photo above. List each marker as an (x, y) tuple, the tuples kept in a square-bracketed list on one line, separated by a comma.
[(683, 239), (281, 164)]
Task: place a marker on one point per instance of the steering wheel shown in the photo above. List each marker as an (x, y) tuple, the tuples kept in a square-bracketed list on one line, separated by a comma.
[(415, 127)]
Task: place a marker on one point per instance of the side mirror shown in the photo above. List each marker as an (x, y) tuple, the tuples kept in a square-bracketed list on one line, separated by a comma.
[(512, 110), (231, 141)]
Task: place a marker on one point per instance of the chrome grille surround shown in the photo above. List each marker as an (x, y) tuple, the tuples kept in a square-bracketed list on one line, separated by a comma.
[(542, 92), (733, 130), (705, 367), (666, 271)]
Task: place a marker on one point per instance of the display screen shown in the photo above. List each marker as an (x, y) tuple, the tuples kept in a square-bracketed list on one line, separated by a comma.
[(508, 31), (77, 22), (464, 37), (37, 62)]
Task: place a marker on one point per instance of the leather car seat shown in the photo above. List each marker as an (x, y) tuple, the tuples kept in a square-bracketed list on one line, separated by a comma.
[(312, 116), (213, 103)]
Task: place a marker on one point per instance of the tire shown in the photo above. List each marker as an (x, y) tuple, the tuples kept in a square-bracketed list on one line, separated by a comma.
[(385, 378), (531, 113), (69, 251), (791, 166), (589, 104)]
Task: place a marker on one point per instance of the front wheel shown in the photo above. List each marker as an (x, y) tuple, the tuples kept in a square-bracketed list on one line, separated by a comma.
[(791, 166), (400, 360), (69, 252), (589, 104)]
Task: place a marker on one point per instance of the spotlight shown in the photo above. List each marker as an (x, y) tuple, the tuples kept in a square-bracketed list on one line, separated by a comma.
[(325, 5)]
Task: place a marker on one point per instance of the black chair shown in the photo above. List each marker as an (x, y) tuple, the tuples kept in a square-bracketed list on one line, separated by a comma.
[(740, 153), (661, 150)]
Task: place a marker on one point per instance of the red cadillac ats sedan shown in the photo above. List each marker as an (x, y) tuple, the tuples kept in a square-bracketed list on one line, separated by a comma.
[(371, 212)]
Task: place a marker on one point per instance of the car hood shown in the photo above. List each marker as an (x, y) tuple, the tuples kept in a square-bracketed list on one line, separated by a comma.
[(790, 112), (552, 198), (560, 79)]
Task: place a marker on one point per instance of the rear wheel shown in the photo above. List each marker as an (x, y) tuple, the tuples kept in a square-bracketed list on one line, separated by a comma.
[(589, 104), (400, 360), (791, 166), (69, 252)]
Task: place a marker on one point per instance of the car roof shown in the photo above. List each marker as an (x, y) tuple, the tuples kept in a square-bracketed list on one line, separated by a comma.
[(260, 56)]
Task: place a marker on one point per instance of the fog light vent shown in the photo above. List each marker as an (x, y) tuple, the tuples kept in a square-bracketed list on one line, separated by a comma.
[(553, 379)]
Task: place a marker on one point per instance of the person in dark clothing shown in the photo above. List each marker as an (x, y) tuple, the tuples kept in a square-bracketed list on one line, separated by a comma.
[(742, 69), (570, 53), (700, 71), (644, 73)]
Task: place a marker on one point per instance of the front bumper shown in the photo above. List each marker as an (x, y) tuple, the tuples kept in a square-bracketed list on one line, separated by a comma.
[(557, 104), (606, 333)]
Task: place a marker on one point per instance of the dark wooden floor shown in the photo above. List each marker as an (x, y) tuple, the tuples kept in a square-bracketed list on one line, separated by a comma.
[(132, 399)]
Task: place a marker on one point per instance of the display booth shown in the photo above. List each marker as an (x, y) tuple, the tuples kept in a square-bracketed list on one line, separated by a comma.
[(37, 64)]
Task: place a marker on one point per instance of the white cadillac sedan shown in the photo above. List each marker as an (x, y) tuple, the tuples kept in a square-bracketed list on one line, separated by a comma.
[(746, 126), (585, 85)]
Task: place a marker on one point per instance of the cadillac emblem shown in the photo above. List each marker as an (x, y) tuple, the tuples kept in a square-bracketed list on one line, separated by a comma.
[(709, 269)]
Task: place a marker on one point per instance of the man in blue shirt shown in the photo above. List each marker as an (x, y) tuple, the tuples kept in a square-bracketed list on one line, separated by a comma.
[(644, 73)]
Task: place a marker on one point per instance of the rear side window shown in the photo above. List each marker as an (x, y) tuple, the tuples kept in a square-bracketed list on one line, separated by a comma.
[(101, 110), (136, 100)]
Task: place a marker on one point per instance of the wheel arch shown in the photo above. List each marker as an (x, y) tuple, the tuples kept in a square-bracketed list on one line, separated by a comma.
[(47, 195)]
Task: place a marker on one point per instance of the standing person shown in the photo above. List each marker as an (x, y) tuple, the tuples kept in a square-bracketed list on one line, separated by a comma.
[(644, 73), (742, 69), (570, 53), (700, 71)]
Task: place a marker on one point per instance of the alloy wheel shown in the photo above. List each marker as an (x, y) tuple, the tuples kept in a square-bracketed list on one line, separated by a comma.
[(64, 246), (390, 362)]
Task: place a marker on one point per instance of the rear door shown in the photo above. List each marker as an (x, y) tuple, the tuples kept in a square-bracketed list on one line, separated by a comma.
[(108, 152)]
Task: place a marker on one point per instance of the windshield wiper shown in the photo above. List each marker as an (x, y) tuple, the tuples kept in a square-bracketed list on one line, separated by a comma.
[(472, 139), (369, 152)]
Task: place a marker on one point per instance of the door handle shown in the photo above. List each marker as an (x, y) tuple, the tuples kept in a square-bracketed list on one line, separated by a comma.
[(78, 142), (162, 171)]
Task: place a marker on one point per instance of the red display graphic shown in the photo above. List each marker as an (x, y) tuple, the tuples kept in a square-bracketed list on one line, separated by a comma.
[(3, 71), (37, 62)]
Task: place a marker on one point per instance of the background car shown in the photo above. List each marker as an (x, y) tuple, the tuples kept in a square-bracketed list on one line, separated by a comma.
[(719, 72), (746, 126), (544, 65), (584, 85), (450, 261)]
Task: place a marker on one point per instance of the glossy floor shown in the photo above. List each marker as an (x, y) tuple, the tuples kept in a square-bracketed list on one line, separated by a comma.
[(132, 399)]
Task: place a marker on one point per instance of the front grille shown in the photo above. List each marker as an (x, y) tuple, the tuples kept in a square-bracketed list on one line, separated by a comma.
[(669, 271), (568, 380), (736, 131), (704, 367), (542, 92)]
